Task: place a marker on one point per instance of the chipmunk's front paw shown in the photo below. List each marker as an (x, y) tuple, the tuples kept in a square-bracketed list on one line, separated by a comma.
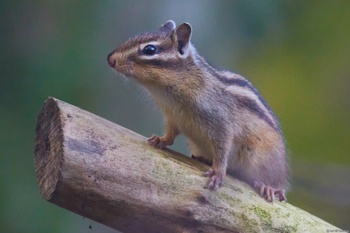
[(216, 179), (158, 142)]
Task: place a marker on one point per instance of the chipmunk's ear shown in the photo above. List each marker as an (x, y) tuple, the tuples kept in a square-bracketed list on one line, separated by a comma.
[(183, 37), (168, 26)]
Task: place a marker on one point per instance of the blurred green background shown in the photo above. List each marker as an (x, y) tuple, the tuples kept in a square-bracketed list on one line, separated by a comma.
[(296, 53)]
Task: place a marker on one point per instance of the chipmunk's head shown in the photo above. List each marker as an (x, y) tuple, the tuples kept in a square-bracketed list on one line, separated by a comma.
[(154, 55)]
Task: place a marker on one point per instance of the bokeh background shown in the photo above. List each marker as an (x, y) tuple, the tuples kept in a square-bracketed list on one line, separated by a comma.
[(296, 53)]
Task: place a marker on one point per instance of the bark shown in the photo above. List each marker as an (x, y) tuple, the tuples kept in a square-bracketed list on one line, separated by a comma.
[(105, 172)]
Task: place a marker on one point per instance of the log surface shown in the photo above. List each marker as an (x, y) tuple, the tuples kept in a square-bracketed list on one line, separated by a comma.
[(102, 171)]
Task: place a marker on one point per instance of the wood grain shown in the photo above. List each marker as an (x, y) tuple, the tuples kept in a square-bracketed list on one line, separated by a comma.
[(105, 172)]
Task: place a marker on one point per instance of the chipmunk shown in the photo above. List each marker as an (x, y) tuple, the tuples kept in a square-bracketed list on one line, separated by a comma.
[(225, 120)]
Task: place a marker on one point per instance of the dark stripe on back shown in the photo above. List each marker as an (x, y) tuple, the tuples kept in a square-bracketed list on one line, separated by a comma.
[(246, 102), (251, 105), (246, 84)]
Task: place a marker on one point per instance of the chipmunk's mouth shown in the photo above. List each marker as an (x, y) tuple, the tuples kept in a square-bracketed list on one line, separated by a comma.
[(111, 59), (120, 64), (112, 63), (127, 70)]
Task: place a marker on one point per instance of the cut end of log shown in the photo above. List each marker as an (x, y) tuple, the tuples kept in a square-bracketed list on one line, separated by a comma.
[(48, 148)]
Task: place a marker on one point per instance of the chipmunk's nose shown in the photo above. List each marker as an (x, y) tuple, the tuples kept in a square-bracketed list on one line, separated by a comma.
[(111, 60)]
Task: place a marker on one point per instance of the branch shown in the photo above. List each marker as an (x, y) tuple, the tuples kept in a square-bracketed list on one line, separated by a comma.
[(107, 173)]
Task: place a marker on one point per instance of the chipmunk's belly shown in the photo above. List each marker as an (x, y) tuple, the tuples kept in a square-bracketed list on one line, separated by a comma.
[(197, 137)]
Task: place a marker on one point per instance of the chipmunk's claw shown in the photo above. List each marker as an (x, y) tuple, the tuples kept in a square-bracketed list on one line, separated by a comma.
[(269, 193)]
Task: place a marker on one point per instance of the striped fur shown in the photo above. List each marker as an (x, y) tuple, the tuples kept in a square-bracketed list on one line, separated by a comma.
[(245, 93), (225, 119)]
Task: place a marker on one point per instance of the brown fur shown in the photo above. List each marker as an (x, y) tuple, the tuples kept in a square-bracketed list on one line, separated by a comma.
[(226, 121)]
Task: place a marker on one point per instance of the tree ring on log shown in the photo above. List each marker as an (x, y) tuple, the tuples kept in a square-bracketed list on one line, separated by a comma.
[(48, 152)]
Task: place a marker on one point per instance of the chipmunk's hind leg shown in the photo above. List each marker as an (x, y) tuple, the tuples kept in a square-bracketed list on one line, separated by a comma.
[(269, 193)]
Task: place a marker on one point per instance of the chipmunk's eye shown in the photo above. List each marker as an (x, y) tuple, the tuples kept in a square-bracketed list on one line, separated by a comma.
[(149, 49)]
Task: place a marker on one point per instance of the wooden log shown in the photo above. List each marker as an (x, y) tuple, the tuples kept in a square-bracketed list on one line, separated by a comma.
[(102, 171)]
